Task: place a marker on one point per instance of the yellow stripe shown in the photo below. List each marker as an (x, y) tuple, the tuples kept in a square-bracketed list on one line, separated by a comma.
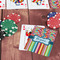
[(40, 49), (13, 0)]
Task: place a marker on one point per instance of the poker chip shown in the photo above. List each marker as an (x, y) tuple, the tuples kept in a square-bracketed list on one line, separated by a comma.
[(51, 14), (55, 3), (2, 34), (54, 22), (13, 16), (0, 23), (9, 27)]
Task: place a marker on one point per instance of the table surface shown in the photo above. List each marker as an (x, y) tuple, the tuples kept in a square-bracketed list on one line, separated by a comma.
[(10, 45)]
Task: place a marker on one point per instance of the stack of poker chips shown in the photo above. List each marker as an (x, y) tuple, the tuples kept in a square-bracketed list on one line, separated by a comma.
[(53, 20), (8, 26), (2, 33), (17, 2), (37, 1)]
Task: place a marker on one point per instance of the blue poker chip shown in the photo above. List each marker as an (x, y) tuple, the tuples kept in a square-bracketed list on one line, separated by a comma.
[(51, 14)]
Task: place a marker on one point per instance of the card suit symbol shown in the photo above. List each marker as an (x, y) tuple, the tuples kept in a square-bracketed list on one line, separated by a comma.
[(43, 4), (3, 5), (0, 6), (22, 4), (0, 2), (47, 5), (23, 27), (25, 4)]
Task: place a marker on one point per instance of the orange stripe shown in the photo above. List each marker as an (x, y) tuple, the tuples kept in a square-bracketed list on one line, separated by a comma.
[(13, 0), (39, 52), (42, 49), (37, 47)]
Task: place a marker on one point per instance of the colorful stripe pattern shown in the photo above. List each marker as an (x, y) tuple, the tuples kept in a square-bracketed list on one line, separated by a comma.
[(37, 1), (55, 3), (37, 47), (17, 2)]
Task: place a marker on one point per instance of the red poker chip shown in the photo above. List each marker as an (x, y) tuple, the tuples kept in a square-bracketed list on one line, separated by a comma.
[(4, 18), (15, 17), (54, 22)]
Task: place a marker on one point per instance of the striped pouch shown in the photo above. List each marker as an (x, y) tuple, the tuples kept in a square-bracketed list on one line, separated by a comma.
[(41, 41)]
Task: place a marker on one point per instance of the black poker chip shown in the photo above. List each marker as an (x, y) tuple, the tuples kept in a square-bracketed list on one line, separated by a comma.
[(2, 34), (51, 14)]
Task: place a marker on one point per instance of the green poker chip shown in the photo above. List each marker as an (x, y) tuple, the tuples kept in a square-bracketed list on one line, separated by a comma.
[(9, 27)]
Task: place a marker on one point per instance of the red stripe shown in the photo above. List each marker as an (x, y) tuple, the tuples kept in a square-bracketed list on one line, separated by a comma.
[(42, 49), (26, 44)]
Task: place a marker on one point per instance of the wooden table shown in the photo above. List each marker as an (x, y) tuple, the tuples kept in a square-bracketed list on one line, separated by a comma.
[(10, 45)]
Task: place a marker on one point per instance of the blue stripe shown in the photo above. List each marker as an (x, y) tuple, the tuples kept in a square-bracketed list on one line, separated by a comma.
[(34, 47)]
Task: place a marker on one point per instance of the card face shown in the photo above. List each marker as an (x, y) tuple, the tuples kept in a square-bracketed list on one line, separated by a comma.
[(38, 4), (16, 4), (23, 38), (41, 41), (2, 4)]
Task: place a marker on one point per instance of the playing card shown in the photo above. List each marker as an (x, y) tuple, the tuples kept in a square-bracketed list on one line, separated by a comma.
[(2, 4), (16, 4), (38, 4), (41, 41), (23, 37)]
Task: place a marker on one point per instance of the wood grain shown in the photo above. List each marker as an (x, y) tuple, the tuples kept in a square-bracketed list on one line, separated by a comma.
[(0, 14), (39, 17), (10, 45)]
